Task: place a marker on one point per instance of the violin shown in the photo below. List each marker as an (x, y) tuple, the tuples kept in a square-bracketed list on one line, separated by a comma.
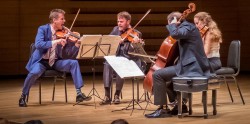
[(204, 30), (130, 34), (166, 55), (65, 33)]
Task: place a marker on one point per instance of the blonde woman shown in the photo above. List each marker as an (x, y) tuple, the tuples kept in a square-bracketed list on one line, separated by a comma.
[(211, 36)]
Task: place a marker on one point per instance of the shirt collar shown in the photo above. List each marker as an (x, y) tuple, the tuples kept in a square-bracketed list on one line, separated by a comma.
[(52, 30)]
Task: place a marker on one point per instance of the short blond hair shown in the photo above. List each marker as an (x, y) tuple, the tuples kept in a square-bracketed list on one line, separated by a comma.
[(54, 14)]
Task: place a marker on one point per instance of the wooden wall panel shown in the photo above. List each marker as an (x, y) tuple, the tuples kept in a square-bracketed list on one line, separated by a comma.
[(21, 18)]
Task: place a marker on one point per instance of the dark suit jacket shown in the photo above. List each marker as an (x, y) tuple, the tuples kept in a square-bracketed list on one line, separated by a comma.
[(192, 58), (124, 47), (43, 42)]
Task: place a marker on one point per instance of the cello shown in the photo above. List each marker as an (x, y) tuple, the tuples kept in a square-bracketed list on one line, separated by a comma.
[(166, 55)]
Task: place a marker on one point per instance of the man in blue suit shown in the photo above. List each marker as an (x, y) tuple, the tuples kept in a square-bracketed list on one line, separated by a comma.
[(48, 55), (192, 62)]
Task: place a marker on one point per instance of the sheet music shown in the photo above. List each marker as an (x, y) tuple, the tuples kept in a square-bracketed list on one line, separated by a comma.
[(123, 67), (103, 45)]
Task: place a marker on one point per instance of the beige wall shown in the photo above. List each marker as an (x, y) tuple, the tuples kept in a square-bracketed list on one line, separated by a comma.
[(21, 18)]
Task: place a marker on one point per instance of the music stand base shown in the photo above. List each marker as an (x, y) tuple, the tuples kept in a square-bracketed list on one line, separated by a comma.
[(131, 106)]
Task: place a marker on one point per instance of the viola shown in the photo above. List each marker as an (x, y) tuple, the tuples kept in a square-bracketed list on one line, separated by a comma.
[(204, 30), (166, 55)]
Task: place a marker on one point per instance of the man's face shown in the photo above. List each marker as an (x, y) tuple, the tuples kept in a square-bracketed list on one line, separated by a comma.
[(59, 22), (122, 23)]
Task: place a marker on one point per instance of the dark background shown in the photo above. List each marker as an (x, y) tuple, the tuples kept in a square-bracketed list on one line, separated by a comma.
[(21, 18)]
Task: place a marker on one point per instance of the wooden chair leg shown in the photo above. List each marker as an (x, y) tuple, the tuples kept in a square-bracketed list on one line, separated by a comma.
[(65, 88), (190, 97), (27, 98), (204, 101), (54, 85), (214, 97), (40, 93)]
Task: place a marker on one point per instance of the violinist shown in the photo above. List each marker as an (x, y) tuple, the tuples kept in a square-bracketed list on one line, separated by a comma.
[(125, 46), (47, 55), (211, 36), (192, 62)]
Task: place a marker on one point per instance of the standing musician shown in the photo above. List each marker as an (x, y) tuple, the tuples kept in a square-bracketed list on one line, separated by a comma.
[(125, 46), (192, 62), (211, 36), (48, 55)]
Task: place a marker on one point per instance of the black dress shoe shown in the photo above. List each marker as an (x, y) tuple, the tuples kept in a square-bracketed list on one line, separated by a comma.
[(106, 101), (22, 102), (174, 111), (81, 97), (116, 100), (159, 113)]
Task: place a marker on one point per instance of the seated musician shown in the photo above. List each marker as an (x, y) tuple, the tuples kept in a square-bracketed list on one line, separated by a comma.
[(48, 55), (123, 25), (211, 36), (192, 62)]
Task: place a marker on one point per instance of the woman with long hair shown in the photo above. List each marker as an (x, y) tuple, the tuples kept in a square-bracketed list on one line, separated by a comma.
[(211, 36)]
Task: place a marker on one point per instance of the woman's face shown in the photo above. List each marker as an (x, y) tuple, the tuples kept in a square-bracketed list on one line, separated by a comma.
[(198, 23)]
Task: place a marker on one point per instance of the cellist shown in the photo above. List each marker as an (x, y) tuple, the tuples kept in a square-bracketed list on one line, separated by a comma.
[(192, 62)]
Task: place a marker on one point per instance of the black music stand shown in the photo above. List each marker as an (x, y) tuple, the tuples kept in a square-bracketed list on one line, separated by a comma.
[(97, 46), (126, 69), (91, 51), (141, 53)]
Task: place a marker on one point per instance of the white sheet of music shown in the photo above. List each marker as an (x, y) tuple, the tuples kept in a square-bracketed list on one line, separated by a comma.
[(123, 67)]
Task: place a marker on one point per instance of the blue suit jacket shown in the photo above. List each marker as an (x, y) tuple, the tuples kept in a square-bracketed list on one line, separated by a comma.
[(192, 58), (43, 42)]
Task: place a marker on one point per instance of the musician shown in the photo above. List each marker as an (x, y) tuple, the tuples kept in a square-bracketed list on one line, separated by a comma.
[(211, 36), (125, 46), (192, 62), (48, 55)]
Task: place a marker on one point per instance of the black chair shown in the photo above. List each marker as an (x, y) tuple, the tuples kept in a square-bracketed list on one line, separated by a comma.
[(190, 85), (57, 75), (233, 67)]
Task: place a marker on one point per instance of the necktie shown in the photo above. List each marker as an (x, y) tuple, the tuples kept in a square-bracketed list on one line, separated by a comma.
[(52, 54)]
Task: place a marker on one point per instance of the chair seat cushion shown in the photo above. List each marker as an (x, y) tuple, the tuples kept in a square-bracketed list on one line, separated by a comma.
[(53, 73), (225, 71), (195, 84)]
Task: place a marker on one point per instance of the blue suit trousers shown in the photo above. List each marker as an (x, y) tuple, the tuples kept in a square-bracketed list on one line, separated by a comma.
[(68, 65)]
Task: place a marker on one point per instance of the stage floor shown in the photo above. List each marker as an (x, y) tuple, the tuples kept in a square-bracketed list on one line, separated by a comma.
[(59, 112)]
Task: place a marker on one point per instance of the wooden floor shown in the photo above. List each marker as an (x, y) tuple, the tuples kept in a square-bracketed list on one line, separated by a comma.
[(59, 112)]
